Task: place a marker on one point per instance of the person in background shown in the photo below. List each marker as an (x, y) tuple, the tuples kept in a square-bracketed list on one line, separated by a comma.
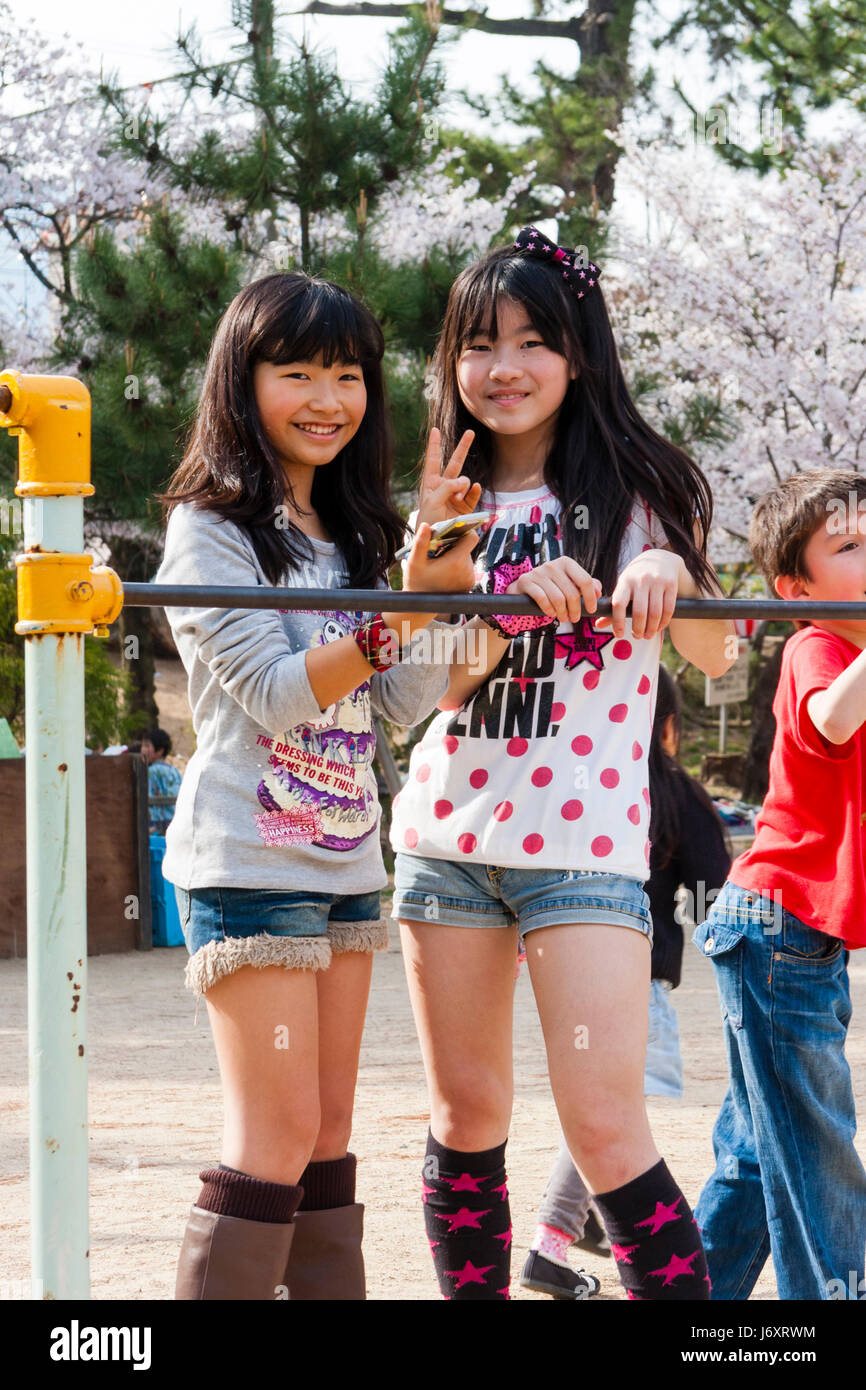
[(163, 779), (688, 848)]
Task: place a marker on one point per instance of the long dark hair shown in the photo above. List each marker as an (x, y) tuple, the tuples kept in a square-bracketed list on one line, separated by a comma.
[(604, 454), (229, 466), (669, 783)]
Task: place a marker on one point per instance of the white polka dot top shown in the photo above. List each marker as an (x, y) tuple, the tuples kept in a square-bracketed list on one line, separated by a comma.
[(546, 765)]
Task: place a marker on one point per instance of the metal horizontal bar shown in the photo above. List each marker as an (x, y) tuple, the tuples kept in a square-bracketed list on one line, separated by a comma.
[(395, 601)]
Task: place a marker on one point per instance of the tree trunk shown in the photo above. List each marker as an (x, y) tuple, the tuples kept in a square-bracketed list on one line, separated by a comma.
[(135, 558), (756, 773)]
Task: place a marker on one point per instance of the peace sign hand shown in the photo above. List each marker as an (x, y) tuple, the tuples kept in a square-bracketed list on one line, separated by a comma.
[(446, 492)]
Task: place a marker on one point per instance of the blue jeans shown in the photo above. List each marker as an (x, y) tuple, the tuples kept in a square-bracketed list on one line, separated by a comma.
[(787, 1180)]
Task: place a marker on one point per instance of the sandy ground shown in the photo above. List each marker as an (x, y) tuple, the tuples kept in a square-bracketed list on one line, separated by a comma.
[(155, 1120)]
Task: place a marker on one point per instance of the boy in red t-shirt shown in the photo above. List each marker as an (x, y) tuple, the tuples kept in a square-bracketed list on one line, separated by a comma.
[(788, 1179)]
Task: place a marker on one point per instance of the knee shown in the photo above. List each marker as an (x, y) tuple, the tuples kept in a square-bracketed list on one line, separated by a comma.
[(334, 1133), (472, 1113)]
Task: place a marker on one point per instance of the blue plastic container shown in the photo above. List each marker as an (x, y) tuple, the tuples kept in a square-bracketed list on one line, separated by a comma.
[(166, 919)]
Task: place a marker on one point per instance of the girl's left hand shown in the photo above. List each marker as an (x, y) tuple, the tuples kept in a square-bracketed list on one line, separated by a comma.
[(651, 583), (446, 493)]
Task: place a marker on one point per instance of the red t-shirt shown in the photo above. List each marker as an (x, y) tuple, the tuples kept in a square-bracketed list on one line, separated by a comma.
[(810, 833)]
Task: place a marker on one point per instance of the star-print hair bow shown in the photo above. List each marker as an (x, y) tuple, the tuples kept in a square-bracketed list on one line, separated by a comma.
[(579, 279)]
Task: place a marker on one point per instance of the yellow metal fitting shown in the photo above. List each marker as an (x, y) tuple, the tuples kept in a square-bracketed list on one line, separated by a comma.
[(66, 593), (51, 416)]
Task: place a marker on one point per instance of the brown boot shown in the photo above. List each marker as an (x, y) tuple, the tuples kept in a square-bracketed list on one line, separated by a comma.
[(225, 1257), (325, 1261)]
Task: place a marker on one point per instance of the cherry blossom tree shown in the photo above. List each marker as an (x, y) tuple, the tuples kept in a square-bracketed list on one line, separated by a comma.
[(742, 306)]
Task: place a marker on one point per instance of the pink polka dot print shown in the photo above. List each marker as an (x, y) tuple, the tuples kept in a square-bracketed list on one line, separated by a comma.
[(410, 838), (423, 772), (516, 747), (557, 713), (609, 777), (442, 809), (621, 649), (466, 843), (590, 680), (643, 686), (533, 843), (572, 810), (450, 744), (633, 814), (478, 778), (636, 751), (503, 811), (618, 714), (582, 744), (601, 846), (541, 777)]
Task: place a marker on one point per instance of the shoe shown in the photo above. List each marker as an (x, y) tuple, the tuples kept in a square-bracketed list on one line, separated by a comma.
[(561, 1281), (325, 1262), (594, 1239), (224, 1257)]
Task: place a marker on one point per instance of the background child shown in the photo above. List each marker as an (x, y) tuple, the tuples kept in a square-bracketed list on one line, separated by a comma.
[(688, 849), (788, 1179), (274, 848), (527, 800)]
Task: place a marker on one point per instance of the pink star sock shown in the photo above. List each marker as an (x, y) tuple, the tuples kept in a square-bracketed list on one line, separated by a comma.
[(655, 1239), (468, 1221)]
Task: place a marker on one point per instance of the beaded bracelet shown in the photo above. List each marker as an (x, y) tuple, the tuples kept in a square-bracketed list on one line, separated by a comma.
[(377, 643)]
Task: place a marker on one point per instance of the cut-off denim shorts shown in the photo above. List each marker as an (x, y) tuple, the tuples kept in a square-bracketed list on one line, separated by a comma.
[(226, 928), (483, 895)]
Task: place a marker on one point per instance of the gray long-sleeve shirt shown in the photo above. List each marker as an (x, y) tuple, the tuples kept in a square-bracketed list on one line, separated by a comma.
[(279, 794)]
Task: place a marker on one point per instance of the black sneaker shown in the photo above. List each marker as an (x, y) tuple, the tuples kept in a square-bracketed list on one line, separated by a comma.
[(594, 1239), (560, 1281)]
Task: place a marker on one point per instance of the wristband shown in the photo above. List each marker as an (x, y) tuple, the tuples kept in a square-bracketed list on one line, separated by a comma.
[(376, 643), (513, 624)]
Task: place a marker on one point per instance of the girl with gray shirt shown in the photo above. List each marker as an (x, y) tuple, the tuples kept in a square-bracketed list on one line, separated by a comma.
[(274, 849)]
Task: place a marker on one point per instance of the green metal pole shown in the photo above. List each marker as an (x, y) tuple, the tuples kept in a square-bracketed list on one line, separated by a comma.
[(56, 931)]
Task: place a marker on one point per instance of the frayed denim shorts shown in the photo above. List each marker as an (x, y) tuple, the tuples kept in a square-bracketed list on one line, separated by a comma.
[(226, 928), (483, 895)]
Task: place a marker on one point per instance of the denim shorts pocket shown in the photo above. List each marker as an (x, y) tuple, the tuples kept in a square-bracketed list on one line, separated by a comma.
[(801, 943), (184, 905), (724, 946)]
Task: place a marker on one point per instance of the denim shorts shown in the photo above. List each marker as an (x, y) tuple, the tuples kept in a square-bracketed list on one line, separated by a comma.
[(225, 928), (483, 895)]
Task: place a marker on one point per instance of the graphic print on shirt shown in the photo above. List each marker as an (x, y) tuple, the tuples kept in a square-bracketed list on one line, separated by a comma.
[(545, 765), (517, 699), (318, 790)]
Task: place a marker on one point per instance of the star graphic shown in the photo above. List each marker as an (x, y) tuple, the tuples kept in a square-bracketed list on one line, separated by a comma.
[(463, 1217), (504, 1293), (584, 644), (622, 1252), (503, 1190), (428, 1192), (675, 1267), (523, 682), (505, 1237), (465, 1183), (469, 1274), (660, 1217), (433, 1243)]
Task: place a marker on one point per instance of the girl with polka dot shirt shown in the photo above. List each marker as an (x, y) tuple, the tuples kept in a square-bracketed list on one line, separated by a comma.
[(527, 804)]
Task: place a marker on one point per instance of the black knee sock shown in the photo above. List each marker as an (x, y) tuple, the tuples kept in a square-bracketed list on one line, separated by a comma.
[(328, 1184), (468, 1220), (654, 1238), (232, 1193)]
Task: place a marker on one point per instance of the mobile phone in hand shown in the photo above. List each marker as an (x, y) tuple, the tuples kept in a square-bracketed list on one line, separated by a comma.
[(447, 533)]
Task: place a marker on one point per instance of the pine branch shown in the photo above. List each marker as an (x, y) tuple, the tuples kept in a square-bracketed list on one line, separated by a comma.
[(470, 19)]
